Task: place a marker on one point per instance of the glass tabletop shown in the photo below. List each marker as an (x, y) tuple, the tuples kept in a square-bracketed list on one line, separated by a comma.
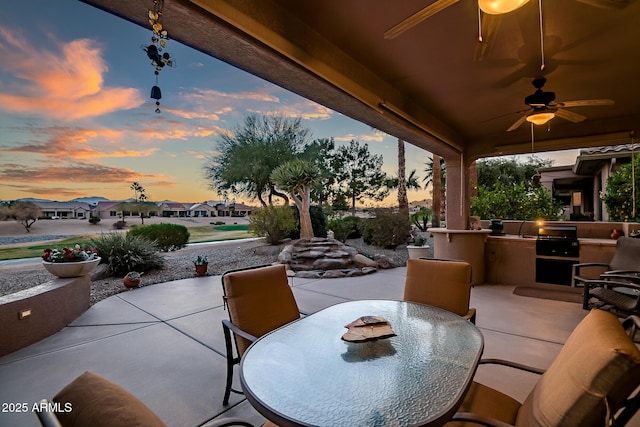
[(305, 374)]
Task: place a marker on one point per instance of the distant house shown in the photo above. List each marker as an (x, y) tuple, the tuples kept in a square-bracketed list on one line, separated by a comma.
[(202, 210), (234, 209), (107, 209), (580, 185), (65, 210), (174, 209)]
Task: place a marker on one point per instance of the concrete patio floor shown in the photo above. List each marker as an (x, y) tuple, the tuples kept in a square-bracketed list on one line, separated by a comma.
[(164, 344)]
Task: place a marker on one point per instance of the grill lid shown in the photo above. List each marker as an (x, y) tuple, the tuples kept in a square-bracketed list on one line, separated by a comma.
[(558, 232)]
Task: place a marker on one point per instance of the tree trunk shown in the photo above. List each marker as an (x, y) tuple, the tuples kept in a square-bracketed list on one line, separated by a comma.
[(353, 205), (437, 192), (403, 202), (303, 204)]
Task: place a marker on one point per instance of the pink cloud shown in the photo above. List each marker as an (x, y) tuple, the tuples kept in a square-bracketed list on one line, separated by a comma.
[(63, 83)]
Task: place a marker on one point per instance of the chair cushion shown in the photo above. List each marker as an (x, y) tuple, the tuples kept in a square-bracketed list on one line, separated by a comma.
[(483, 400), (97, 402), (598, 361), (627, 254), (443, 284), (259, 300)]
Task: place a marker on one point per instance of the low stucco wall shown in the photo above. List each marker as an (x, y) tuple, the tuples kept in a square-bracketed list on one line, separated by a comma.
[(51, 307), (586, 229)]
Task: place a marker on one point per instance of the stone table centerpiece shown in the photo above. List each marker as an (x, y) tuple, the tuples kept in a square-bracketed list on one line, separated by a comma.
[(75, 261)]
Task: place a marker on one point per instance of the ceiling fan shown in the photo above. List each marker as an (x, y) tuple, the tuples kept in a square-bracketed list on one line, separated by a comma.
[(492, 7), (543, 107)]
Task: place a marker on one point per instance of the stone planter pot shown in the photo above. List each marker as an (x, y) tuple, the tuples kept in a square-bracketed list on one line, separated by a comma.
[(71, 269), (418, 251), (201, 269)]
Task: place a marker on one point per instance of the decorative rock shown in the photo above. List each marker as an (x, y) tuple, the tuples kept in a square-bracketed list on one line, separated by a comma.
[(308, 274), (331, 264), (101, 271), (363, 261), (333, 274), (383, 261), (325, 258)]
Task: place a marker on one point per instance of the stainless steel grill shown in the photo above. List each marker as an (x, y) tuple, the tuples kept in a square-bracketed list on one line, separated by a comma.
[(558, 241)]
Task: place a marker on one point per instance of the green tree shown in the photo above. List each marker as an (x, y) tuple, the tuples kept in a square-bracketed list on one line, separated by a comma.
[(26, 213), (246, 156), (411, 181), (508, 171), (358, 173), (515, 202), (320, 152), (622, 188), (297, 177)]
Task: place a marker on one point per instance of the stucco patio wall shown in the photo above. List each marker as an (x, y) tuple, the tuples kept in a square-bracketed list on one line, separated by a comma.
[(36, 313)]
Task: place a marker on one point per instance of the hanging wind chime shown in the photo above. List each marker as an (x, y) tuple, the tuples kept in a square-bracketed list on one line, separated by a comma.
[(159, 59)]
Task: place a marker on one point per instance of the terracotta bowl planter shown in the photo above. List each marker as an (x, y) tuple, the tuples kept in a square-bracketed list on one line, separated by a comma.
[(71, 269), (131, 283), (201, 269)]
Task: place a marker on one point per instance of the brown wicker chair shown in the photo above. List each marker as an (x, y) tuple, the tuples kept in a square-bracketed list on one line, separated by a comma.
[(625, 260), (440, 283), (259, 300), (592, 382)]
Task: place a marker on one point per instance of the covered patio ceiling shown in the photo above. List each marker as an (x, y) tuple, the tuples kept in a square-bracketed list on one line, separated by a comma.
[(434, 85)]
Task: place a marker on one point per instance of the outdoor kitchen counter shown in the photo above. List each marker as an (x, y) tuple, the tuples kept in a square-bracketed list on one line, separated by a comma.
[(511, 259)]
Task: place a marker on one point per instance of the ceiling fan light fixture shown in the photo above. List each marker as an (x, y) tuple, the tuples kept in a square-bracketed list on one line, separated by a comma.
[(540, 118), (498, 7)]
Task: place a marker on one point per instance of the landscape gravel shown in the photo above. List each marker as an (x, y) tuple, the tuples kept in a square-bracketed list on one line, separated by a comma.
[(17, 276)]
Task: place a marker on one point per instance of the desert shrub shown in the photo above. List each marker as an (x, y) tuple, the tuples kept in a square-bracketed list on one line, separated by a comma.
[(355, 222), (387, 229), (340, 228), (119, 225), (318, 222), (273, 223), (127, 252), (168, 237), (94, 220), (421, 218), (345, 228)]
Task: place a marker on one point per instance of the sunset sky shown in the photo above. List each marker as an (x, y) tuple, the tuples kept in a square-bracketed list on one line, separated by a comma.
[(76, 118)]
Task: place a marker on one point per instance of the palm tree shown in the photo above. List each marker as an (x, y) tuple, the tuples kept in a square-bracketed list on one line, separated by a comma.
[(403, 201), (436, 174)]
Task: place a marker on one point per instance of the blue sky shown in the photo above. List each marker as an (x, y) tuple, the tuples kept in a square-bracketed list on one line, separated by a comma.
[(76, 118)]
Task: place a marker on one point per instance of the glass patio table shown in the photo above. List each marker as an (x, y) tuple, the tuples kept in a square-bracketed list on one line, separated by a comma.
[(304, 374)]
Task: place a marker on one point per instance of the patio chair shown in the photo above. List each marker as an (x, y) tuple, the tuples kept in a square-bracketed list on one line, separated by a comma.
[(440, 283), (259, 300), (93, 401), (617, 293), (592, 382), (625, 260)]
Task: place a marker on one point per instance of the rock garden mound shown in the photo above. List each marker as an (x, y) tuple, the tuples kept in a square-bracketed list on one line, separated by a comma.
[(328, 258)]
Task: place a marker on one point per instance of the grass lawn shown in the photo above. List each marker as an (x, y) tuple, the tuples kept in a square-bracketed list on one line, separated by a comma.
[(199, 234)]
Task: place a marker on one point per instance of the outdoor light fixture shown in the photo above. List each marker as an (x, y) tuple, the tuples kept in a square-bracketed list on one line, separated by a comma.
[(498, 7), (540, 118)]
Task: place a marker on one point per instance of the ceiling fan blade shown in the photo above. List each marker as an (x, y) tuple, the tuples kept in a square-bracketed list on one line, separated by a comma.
[(586, 102), (417, 18), (570, 115), (517, 124)]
